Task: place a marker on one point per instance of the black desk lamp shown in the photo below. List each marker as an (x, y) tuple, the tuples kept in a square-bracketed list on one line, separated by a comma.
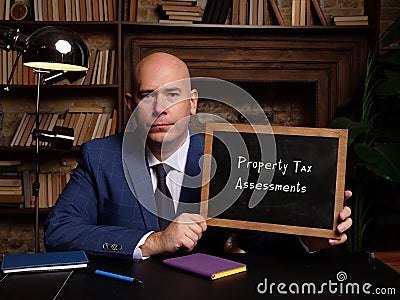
[(56, 49)]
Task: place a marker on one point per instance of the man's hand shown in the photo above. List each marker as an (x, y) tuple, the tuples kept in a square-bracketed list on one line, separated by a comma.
[(184, 232), (314, 243)]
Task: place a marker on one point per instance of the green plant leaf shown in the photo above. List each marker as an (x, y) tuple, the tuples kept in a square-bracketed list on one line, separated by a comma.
[(383, 159), (392, 74), (388, 135), (392, 35), (355, 128), (392, 58), (390, 87)]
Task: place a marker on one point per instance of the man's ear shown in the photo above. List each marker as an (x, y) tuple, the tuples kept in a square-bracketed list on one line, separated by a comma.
[(194, 97), (129, 101)]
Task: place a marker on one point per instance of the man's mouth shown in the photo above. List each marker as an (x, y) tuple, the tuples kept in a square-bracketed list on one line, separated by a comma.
[(160, 126)]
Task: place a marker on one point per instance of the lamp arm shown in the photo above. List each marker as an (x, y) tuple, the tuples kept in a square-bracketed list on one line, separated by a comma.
[(7, 88), (12, 39)]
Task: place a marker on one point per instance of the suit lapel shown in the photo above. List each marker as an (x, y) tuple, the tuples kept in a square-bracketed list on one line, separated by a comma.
[(191, 188), (139, 180), (138, 177)]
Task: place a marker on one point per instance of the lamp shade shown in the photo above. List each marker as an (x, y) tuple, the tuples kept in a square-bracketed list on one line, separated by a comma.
[(56, 48)]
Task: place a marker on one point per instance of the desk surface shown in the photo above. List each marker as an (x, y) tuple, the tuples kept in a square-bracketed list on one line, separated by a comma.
[(330, 273), (391, 258)]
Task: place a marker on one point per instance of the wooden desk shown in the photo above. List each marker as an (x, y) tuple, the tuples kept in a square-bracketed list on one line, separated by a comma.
[(391, 258)]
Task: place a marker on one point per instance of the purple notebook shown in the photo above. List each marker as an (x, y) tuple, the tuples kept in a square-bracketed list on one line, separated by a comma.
[(207, 265)]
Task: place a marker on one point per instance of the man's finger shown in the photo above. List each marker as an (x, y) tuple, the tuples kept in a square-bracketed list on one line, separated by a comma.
[(345, 213), (342, 227)]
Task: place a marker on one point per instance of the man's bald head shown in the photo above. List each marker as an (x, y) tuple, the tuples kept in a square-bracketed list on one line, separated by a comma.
[(166, 66), (162, 102)]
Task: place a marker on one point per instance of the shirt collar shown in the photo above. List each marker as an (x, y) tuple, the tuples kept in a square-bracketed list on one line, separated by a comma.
[(176, 161)]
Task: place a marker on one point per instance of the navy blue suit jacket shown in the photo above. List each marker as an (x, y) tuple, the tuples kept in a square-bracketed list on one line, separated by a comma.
[(98, 212)]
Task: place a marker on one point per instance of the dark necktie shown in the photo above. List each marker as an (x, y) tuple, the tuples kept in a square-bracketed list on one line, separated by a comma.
[(164, 203)]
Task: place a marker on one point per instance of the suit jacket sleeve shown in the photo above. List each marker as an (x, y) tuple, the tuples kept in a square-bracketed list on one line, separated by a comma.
[(96, 212)]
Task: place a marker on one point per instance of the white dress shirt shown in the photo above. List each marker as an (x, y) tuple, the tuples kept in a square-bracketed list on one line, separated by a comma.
[(175, 168)]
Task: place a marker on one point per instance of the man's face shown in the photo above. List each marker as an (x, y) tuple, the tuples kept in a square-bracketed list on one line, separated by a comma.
[(164, 103)]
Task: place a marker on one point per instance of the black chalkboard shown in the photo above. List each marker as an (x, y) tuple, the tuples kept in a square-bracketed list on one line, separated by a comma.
[(280, 179)]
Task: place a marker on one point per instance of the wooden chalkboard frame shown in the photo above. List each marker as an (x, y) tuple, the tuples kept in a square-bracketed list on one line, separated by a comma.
[(340, 134)]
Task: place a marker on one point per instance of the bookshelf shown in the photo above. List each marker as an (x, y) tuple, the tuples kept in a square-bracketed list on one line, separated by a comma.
[(100, 28)]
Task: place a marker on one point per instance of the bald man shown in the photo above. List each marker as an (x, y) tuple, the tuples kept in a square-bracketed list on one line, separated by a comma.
[(106, 208), (100, 213)]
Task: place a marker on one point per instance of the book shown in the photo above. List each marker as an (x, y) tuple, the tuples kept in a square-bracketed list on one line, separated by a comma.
[(133, 10), (351, 23), (110, 10), (92, 125), (27, 188), (318, 10), (208, 11), (4, 192), (223, 14), (11, 205), (180, 8), (8, 163), (175, 21), (7, 10), (102, 125), (216, 11), (184, 3), (2, 9), (11, 199), (243, 12), (20, 130), (10, 181), (50, 261), (85, 128), (114, 122), (95, 10), (185, 18), (276, 12), (105, 10), (78, 128), (86, 109), (350, 18), (206, 265)]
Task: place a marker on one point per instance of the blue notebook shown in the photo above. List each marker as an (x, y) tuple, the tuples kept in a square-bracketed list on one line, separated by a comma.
[(51, 261)]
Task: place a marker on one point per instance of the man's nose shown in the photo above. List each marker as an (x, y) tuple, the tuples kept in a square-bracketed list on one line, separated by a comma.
[(160, 103)]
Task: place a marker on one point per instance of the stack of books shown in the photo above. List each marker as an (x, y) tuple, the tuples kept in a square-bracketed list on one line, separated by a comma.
[(350, 20), (11, 191), (179, 11)]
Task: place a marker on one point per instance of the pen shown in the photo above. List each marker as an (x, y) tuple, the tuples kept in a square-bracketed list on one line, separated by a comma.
[(117, 276)]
